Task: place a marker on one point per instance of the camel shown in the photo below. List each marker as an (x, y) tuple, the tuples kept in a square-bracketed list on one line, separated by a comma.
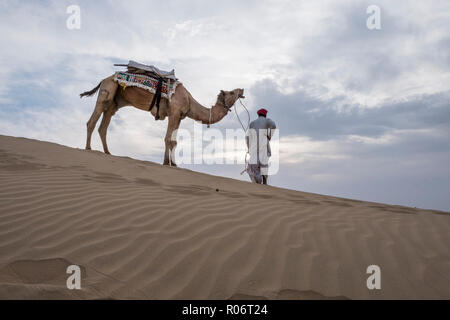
[(112, 97)]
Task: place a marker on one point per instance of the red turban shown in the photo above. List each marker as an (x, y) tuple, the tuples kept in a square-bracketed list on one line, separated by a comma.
[(262, 112)]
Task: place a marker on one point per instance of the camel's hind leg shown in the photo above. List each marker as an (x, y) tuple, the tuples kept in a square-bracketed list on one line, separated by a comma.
[(105, 100), (93, 121), (102, 130)]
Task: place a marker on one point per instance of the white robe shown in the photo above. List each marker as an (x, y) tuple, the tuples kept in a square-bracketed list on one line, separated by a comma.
[(258, 135)]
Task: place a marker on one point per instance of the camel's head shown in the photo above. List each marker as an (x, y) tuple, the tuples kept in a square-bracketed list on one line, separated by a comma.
[(228, 98)]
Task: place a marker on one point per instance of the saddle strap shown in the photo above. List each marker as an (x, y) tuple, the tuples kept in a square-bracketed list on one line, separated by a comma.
[(157, 98)]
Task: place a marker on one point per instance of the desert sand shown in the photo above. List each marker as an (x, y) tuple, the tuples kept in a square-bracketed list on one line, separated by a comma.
[(140, 230)]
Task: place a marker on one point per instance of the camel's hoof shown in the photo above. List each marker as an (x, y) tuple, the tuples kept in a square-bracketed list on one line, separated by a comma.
[(107, 152)]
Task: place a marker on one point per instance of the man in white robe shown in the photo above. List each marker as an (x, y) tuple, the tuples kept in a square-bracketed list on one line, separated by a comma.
[(258, 136)]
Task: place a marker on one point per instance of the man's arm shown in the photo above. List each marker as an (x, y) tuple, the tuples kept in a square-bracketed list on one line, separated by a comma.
[(271, 126)]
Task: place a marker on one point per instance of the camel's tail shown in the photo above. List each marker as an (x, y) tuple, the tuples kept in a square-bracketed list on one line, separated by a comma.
[(90, 93)]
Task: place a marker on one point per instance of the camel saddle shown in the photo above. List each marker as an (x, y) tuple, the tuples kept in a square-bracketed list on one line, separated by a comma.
[(152, 72)]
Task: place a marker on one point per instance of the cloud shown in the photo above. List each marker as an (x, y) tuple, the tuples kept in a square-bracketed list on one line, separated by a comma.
[(304, 113)]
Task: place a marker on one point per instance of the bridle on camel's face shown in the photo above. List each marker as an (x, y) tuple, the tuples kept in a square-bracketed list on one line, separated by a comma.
[(228, 108), (224, 101)]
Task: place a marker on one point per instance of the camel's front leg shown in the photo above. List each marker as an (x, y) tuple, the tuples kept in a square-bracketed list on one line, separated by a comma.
[(102, 130), (171, 140)]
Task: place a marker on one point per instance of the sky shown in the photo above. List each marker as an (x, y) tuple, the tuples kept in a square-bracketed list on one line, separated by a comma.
[(362, 113)]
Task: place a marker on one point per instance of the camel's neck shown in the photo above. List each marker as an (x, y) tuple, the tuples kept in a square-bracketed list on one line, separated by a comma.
[(201, 113)]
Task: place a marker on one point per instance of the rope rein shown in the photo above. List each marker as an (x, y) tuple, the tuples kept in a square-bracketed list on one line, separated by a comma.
[(245, 130), (242, 125), (248, 116)]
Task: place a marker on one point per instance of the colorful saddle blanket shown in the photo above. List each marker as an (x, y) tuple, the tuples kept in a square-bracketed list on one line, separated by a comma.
[(126, 79)]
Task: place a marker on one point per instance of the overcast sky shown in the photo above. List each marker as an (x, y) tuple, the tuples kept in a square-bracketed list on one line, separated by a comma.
[(363, 114)]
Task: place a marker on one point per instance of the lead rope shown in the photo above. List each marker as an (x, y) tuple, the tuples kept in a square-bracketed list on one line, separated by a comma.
[(245, 130), (248, 115)]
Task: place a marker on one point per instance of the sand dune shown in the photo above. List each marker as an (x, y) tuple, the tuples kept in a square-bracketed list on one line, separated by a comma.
[(139, 230)]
